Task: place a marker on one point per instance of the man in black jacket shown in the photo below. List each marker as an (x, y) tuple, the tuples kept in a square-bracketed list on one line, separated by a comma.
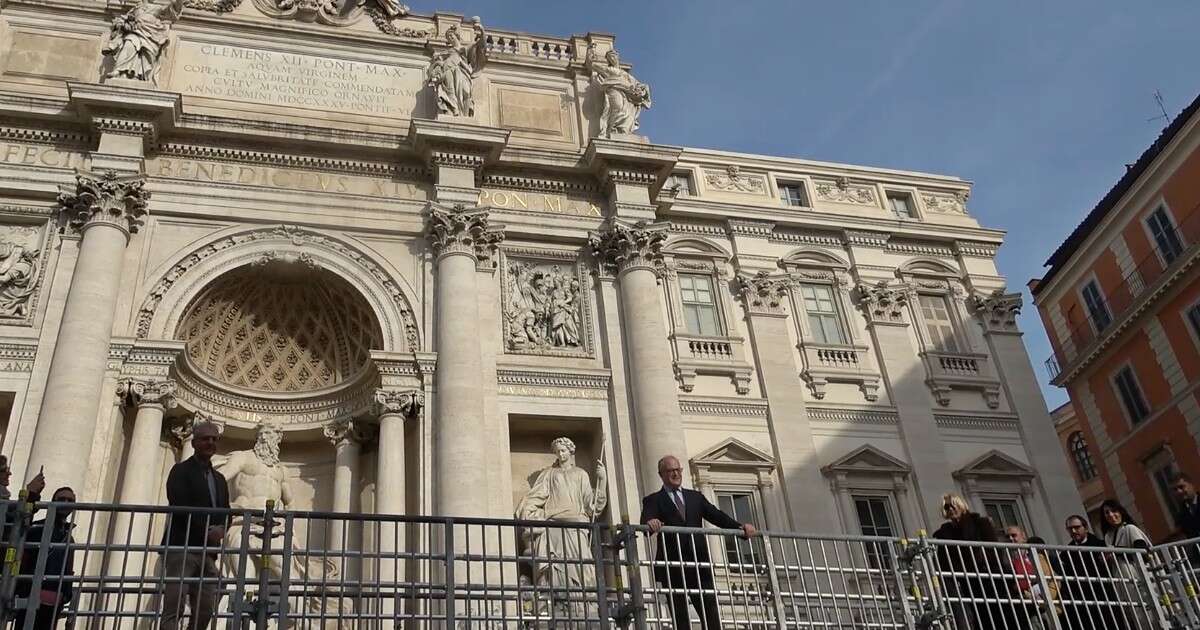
[(690, 569), (1187, 516), (1087, 590), (194, 483)]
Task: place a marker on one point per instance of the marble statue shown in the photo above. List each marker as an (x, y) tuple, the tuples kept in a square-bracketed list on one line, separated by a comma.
[(255, 477), (451, 71), (19, 266), (624, 96), (542, 307), (563, 492), (139, 37)]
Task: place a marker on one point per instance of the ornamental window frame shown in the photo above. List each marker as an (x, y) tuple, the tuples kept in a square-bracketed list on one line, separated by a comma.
[(1085, 306), (869, 472), (933, 277), (1115, 378), (916, 213), (694, 355), (1081, 457), (1192, 326), (1165, 210), (823, 363), (734, 467)]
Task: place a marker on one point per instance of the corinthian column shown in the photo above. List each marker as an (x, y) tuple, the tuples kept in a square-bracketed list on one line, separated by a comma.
[(635, 251), (105, 209), (461, 238), (143, 463)]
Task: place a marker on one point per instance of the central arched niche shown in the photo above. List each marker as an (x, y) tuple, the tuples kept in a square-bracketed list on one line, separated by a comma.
[(280, 326)]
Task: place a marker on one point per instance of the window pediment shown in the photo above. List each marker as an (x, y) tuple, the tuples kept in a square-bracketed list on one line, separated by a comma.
[(733, 452), (995, 464), (867, 459)]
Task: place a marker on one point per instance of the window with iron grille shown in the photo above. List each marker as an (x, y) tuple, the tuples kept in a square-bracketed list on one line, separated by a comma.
[(1130, 394), (1081, 456)]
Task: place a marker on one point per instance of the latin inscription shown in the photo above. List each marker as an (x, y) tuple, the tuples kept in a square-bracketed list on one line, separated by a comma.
[(285, 178), (36, 155), (295, 81), (538, 202)]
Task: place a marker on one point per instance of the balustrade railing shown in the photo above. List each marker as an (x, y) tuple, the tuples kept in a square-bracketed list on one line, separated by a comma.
[(319, 570)]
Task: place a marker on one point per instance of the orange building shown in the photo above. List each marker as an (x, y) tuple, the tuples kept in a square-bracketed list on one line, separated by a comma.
[(1121, 303)]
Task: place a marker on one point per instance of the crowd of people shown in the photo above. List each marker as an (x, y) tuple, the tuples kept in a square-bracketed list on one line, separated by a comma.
[(1004, 588), (993, 587)]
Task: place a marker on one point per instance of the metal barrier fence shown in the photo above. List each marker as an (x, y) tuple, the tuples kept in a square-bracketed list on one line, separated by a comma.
[(310, 570)]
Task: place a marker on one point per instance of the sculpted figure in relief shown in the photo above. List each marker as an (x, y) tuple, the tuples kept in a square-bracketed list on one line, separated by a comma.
[(542, 309), (138, 38), (563, 492), (624, 96), (451, 71), (19, 266)]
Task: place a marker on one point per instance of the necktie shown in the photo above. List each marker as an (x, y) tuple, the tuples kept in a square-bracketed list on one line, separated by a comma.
[(675, 496)]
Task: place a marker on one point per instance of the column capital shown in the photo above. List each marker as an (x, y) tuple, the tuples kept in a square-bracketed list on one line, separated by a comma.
[(408, 403), (764, 293), (463, 231), (997, 311), (140, 394), (626, 246), (346, 430), (884, 303), (105, 198)]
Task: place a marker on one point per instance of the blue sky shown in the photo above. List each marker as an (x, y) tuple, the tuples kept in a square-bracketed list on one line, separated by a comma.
[(1040, 104)]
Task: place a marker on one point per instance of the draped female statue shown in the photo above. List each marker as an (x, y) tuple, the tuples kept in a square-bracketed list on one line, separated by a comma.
[(451, 71), (624, 96), (138, 38), (563, 492)]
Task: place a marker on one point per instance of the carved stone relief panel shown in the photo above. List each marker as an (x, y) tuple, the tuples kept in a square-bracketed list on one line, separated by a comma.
[(732, 179), (947, 203), (842, 190), (546, 308), (22, 262)]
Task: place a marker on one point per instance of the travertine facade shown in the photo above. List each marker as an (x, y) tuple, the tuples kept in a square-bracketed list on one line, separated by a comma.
[(425, 248)]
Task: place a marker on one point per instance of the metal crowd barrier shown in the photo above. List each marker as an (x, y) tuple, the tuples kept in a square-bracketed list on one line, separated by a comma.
[(328, 571)]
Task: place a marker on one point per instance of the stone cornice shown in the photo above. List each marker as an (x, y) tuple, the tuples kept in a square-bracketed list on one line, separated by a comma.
[(539, 184), (714, 406), (10, 131), (17, 356), (268, 158), (837, 415), (553, 378), (977, 422)]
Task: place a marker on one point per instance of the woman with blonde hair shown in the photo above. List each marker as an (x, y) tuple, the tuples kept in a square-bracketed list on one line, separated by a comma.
[(968, 568)]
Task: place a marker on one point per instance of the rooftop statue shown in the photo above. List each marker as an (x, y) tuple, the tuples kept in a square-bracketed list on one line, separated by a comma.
[(624, 96), (139, 37), (451, 71)]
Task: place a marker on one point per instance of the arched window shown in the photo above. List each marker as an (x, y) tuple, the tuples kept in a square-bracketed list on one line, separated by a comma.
[(1082, 457)]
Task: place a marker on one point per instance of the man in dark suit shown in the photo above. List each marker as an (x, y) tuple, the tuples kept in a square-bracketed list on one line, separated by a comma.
[(194, 483), (690, 569), (1188, 514)]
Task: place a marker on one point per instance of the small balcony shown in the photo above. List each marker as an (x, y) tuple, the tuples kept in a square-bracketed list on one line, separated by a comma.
[(836, 363), (960, 370), (721, 356), (1089, 329)]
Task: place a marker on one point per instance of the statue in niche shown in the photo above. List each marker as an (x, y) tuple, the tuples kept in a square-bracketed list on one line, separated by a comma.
[(19, 267), (138, 38), (451, 71), (562, 557), (256, 476), (624, 96), (542, 309)]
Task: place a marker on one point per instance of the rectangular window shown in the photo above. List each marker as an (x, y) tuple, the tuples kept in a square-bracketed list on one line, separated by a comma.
[(793, 194), (875, 519), (900, 204), (1193, 318), (820, 306), (1004, 513), (1097, 308), (699, 305), (681, 183), (1131, 395), (743, 508), (1166, 238), (935, 311)]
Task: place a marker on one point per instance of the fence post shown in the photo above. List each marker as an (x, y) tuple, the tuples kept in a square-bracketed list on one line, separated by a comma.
[(930, 611), (39, 570), (599, 568), (773, 580), (1157, 604), (285, 583), (628, 537), (902, 563), (16, 518), (262, 606), (451, 589), (1044, 582)]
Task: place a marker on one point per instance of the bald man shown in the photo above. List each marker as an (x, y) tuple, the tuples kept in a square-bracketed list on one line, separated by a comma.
[(675, 506)]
